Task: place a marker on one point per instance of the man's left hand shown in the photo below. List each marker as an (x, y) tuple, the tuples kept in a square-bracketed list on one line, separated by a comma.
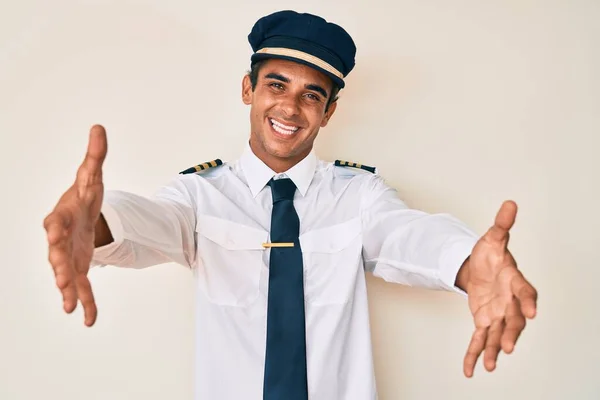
[(500, 298)]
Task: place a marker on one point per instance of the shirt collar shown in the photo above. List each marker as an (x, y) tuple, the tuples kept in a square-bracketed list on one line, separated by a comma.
[(258, 174)]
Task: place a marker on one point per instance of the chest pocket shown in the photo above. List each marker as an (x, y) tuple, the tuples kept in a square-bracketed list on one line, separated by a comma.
[(230, 261), (332, 260)]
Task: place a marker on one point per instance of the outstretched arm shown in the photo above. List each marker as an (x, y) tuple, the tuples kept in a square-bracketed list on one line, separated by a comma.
[(89, 227), (437, 251)]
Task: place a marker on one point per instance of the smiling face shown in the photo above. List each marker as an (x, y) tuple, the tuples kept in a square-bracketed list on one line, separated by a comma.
[(288, 107)]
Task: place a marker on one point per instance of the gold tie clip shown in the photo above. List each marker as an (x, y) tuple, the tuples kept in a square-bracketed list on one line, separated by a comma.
[(278, 244)]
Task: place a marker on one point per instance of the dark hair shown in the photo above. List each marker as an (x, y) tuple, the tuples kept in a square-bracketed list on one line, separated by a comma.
[(255, 68)]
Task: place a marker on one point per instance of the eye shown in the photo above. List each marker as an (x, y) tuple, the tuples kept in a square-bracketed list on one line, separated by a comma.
[(313, 97), (276, 85)]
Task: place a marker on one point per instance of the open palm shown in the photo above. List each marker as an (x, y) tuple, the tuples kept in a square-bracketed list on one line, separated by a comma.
[(71, 226), (500, 298)]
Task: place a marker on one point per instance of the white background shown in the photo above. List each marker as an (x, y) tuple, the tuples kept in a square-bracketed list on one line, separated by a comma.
[(460, 104)]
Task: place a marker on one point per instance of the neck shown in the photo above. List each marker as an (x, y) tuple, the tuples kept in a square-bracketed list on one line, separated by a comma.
[(277, 164)]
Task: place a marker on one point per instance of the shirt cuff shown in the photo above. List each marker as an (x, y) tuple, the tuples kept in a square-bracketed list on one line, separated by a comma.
[(453, 259), (113, 220)]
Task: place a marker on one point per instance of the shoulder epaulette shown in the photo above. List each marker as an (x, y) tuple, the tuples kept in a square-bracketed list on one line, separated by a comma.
[(202, 167), (340, 163)]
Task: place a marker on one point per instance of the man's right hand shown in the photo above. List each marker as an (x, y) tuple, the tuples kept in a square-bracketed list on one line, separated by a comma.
[(71, 228)]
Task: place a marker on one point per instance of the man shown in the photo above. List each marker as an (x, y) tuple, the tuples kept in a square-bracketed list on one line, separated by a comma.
[(279, 240)]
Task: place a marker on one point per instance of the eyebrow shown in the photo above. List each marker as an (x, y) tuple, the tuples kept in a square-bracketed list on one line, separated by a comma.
[(279, 77), (310, 86), (317, 88)]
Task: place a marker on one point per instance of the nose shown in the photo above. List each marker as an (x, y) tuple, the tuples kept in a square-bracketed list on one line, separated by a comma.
[(290, 105)]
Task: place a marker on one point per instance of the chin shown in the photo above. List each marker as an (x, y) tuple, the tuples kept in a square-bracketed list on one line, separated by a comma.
[(278, 145), (279, 151)]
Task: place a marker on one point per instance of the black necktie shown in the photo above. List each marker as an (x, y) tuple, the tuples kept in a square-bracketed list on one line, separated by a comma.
[(285, 359)]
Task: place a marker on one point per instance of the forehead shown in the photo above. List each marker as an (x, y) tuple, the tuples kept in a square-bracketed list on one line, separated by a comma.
[(294, 71)]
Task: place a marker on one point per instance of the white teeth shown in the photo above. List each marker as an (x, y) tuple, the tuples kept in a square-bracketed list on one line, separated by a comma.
[(283, 129)]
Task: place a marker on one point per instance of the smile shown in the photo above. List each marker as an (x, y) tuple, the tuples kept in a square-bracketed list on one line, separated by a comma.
[(283, 129)]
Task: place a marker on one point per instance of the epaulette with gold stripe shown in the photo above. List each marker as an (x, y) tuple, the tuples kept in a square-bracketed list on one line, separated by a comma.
[(340, 163), (202, 167)]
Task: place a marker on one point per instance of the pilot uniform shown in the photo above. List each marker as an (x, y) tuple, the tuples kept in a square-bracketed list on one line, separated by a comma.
[(297, 327)]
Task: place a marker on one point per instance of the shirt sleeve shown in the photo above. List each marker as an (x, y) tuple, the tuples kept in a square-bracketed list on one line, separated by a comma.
[(411, 247), (149, 230)]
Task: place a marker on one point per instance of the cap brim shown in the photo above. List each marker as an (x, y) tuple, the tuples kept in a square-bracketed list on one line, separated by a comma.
[(264, 56)]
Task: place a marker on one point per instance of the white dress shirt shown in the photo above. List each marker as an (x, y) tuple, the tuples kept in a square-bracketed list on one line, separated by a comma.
[(216, 221)]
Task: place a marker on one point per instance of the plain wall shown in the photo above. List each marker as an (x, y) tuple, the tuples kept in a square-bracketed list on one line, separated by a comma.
[(460, 104)]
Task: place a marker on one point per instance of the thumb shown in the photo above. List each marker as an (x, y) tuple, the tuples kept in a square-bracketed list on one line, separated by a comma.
[(505, 219), (97, 149), (90, 170)]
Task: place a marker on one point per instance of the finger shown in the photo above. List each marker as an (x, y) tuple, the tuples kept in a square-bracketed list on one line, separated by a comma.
[(515, 323), (505, 219), (56, 225), (526, 294), (492, 346), (59, 255), (474, 350), (90, 170), (86, 296)]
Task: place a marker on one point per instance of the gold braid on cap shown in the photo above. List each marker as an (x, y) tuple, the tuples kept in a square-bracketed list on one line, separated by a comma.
[(282, 51)]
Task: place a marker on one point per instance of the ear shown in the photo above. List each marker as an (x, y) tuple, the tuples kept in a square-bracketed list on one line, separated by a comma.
[(247, 90), (328, 114)]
